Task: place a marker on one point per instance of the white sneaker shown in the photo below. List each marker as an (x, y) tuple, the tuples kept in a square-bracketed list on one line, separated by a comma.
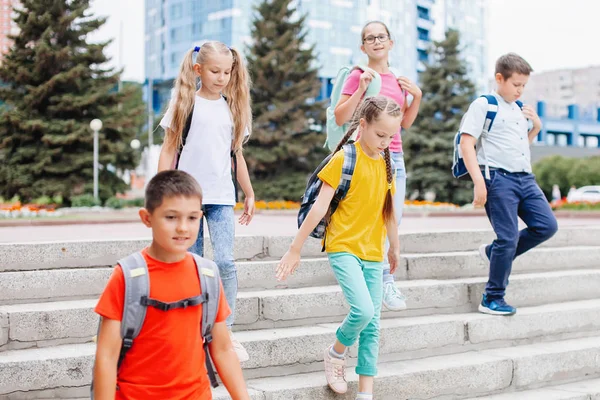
[(335, 372), (393, 299), (238, 348), (483, 254)]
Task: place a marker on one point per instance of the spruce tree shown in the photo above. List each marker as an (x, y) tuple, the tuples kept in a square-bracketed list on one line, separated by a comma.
[(53, 84), (447, 93), (283, 149)]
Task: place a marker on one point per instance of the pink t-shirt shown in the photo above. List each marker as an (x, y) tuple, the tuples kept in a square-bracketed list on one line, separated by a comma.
[(389, 88)]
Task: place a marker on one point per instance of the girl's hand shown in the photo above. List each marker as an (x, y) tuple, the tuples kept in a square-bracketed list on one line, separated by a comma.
[(288, 264), (409, 86), (393, 259), (365, 79), (246, 217)]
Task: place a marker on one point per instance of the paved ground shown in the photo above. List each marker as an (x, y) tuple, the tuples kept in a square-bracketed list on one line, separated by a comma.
[(263, 224)]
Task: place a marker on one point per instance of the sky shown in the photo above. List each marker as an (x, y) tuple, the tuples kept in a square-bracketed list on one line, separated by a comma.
[(550, 34)]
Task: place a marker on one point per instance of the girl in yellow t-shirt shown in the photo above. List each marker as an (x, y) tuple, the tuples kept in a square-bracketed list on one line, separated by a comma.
[(355, 239)]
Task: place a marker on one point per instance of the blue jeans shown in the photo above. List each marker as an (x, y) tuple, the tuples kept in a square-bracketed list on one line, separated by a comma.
[(221, 226), (512, 195), (361, 284), (399, 196)]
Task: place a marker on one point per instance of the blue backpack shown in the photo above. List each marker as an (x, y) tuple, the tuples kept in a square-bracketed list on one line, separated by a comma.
[(459, 169), (314, 187), (335, 132)]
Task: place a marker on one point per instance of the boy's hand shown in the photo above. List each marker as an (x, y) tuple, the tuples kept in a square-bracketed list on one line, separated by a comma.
[(288, 264), (393, 259), (365, 79), (409, 86), (479, 195), (246, 217), (530, 113)]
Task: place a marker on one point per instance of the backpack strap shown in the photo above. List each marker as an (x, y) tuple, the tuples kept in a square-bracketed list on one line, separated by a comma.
[(185, 303), (137, 286), (184, 135), (210, 283), (519, 103), (348, 166), (492, 111), (375, 86), (347, 172)]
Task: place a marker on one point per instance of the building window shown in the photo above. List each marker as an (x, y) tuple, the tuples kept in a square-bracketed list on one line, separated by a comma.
[(423, 57), (197, 28), (423, 13), (423, 34), (176, 11)]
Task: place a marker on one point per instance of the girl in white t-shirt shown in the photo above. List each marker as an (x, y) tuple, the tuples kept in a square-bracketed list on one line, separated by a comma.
[(220, 121)]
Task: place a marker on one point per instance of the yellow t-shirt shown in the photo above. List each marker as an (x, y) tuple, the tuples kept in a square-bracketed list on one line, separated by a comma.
[(357, 226)]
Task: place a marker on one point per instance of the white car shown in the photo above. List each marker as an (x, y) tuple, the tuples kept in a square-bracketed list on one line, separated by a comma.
[(589, 194)]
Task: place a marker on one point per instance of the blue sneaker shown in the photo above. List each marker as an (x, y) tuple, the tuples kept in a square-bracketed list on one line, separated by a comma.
[(495, 307)]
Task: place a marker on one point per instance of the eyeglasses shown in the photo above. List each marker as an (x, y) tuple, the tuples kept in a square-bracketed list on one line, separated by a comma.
[(371, 39)]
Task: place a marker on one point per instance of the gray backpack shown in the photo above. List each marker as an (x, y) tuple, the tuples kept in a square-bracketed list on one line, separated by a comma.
[(137, 299)]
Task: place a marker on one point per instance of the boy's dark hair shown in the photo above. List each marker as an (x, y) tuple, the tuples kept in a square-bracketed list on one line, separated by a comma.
[(170, 183), (510, 63)]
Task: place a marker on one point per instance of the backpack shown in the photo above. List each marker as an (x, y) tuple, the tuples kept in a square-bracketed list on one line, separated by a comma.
[(137, 291), (184, 135), (335, 133), (459, 169), (314, 186)]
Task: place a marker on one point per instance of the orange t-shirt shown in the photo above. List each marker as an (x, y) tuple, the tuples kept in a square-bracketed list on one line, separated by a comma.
[(166, 360)]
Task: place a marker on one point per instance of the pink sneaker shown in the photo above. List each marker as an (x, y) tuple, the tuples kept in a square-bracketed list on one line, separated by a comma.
[(335, 372)]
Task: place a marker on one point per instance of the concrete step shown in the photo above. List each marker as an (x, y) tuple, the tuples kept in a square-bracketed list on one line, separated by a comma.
[(45, 324), (449, 376), (289, 351), (77, 283), (581, 390), (455, 376), (81, 254), (469, 264)]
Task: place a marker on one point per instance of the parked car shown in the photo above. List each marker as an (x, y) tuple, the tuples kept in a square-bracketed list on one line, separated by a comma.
[(589, 194)]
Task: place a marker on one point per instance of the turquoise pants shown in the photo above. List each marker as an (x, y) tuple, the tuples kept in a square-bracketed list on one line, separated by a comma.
[(361, 283)]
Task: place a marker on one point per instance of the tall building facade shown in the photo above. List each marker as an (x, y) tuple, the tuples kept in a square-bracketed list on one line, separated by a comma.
[(563, 88), (333, 26), (7, 25), (469, 18)]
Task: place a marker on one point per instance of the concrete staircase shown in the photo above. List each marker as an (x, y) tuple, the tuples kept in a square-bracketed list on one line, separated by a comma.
[(438, 349)]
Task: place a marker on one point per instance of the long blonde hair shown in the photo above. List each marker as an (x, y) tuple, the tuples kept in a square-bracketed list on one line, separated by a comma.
[(237, 93), (371, 109)]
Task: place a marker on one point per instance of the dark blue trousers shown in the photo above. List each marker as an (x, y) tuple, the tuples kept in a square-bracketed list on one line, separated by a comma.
[(512, 195)]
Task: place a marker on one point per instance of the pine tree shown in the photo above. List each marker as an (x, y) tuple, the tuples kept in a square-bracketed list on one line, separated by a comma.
[(283, 149), (54, 83), (447, 93)]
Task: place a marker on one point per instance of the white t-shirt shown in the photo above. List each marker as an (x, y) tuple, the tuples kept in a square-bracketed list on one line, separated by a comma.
[(207, 151)]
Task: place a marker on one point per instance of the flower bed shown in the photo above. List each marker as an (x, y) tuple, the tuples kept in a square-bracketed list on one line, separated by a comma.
[(18, 210), (575, 206)]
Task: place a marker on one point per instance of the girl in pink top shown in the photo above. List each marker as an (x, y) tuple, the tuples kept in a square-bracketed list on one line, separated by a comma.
[(376, 43)]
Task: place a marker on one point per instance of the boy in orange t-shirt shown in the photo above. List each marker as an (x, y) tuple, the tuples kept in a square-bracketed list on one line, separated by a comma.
[(167, 359)]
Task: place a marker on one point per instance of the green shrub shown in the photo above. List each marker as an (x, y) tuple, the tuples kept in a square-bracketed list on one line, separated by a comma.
[(115, 203), (84, 200), (43, 201), (566, 172), (139, 202)]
